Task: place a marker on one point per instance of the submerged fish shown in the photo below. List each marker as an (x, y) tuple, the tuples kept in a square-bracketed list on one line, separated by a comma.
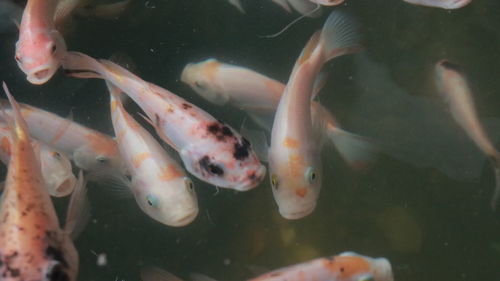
[(209, 149), (294, 155), (55, 166), (445, 4), (347, 266), (159, 184), (90, 150), (259, 95), (40, 46), (32, 244), (454, 89)]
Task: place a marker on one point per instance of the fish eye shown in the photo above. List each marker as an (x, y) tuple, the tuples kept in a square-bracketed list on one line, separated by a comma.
[(274, 181), (18, 58), (189, 183), (102, 159), (152, 200), (57, 274), (310, 175), (56, 155), (54, 48)]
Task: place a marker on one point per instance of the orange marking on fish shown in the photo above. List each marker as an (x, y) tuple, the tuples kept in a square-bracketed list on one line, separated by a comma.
[(169, 173), (209, 69), (301, 192), (5, 145), (114, 104), (275, 87), (290, 142), (139, 158), (347, 266), (102, 144), (121, 133), (170, 108)]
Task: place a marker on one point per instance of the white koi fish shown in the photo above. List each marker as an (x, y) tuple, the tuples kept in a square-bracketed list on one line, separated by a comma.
[(454, 89), (445, 4), (259, 95), (32, 244), (40, 46), (159, 184), (347, 266), (55, 166), (209, 149), (294, 155), (90, 150)]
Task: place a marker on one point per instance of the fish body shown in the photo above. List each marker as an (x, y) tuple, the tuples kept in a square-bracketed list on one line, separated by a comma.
[(209, 149), (159, 183), (294, 155), (445, 4), (40, 46), (455, 91), (32, 245), (347, 266), (90, 150), (55, 166)]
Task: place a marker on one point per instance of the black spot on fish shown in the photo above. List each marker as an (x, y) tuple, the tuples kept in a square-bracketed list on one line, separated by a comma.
[(157, 120), (241, 150), (57, 274), (55, 254), (219, 130), (452, 66), (186, 106), (14, 272), (210, 167)]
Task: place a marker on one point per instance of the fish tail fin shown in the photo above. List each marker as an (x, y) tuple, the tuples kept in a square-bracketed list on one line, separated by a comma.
[(341, 35), (79, 65), (17, 124)]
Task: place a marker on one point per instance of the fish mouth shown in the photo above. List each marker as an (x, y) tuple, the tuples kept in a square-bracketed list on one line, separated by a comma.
[(252, 181), (297, 214), (185, 219), (66, 187), (40, 76)]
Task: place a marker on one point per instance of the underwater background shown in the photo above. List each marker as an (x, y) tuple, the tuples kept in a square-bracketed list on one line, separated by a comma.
[(424, 204)]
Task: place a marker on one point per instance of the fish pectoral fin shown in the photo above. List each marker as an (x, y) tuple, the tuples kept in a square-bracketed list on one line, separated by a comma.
[(359, 152), (258, 141), (78, 213)]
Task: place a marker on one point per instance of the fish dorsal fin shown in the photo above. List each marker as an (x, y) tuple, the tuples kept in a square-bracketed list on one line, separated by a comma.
[(19, 126)]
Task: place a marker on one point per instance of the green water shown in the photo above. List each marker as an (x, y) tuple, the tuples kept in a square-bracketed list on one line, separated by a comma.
[(424, 205)]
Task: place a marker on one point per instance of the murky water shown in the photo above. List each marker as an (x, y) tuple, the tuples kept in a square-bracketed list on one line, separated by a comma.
[(424, 205)]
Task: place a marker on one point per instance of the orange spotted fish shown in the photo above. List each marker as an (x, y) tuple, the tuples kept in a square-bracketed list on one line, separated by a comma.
[(294, 155), (90, 150), (347, 266), (455, 91), (55, 166), (209, 149), (160, 185), (32, 244)]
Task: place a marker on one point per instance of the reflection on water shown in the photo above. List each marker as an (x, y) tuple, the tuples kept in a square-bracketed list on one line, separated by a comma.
[(423, 205)]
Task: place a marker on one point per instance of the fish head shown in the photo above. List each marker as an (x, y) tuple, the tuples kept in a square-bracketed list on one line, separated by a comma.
[(38, 55), (101, 162), (225, 159), (173, 203), (356, 267), (201, 77), (56, 171), (295, 181)]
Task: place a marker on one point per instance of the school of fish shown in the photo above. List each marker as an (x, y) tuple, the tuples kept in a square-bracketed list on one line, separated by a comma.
[(283, 149)]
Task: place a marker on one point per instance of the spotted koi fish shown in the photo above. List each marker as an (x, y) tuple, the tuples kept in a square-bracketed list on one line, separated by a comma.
[(209, 149), (294, 155), (90, 150), (159, 184), (455, 91), (258, 95), (55, 166), (32, 244)]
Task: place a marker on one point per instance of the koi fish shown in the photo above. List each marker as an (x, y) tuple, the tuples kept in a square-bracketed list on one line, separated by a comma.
[(294, 155), (209, 149), (90, 150), (40, 46), (159, 184), (445, 4), (259, 95), (32, 244), (55, 166), (347, 266), (455, 91)]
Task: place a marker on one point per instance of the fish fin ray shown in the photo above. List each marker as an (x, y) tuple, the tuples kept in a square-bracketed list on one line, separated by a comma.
[(257, 139), (78, 213), (359, 152)]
